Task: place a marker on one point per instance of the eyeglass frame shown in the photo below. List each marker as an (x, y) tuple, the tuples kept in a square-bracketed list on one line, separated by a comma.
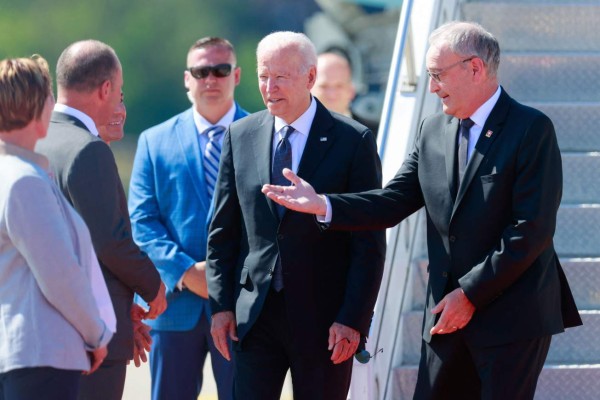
[(203, 71), (436, 75)]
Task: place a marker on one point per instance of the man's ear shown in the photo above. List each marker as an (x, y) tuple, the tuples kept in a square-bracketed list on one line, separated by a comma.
[(105, 89), (478, 68), (312, 76)]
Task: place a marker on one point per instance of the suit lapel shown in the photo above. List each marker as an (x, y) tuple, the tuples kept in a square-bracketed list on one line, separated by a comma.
[(187, 135), (320, 138), (262, 142), (491, 130)]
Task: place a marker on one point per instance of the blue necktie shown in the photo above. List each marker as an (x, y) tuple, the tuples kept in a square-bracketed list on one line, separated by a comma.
[(212, 154), (281, 159)]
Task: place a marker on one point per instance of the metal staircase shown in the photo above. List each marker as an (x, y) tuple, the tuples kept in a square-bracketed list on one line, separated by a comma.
[(551, 61)]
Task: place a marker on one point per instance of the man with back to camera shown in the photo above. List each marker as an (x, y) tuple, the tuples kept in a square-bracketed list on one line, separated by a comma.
[(291, 296), (170, 195), (89, 81), (496, 292)]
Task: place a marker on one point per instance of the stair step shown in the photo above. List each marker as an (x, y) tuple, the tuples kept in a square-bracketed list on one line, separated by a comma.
[(540, 26), (581, 178), (556, 382), (577, 233), (583, 275), (576, 124), (563, 77)]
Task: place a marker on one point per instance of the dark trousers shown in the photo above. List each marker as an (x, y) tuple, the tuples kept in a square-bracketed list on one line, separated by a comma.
[(450, 368), (39, 383), (177, 360), (268, 351), (106, 383)]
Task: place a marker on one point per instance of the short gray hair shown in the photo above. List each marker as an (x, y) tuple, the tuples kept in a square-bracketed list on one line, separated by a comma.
[(468, 39), (85, 65), (286, 39)]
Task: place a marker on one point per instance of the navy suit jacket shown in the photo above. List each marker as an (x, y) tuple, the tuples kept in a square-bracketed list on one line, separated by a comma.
[(170, 211), (492, 235), (328, 276)]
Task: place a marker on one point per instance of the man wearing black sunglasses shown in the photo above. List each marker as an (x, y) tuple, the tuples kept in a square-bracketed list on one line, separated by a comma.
[(170, 196)]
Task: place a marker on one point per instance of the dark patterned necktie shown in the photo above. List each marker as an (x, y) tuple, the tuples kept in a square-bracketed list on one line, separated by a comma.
[(281, 159), (463, 146), (212, 154)]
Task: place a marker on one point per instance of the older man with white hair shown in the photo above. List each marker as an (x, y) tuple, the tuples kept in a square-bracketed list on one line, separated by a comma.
[(291, 296)]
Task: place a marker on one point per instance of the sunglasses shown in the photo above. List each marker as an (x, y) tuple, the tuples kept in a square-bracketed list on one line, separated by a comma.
[(218, 71)]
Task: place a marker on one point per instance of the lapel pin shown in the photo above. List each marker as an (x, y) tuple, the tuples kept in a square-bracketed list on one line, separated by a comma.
[(488, 134), (323, 139)]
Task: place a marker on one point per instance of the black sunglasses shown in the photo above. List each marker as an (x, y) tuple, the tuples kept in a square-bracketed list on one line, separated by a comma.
[(218, 71)]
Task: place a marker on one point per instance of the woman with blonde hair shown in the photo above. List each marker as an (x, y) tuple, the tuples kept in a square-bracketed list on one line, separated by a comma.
[(54, 319)]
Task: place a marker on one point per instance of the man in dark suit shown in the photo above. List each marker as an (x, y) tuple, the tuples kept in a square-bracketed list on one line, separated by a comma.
[(491, 190), (292, 296), (170, 196), (89, 82)]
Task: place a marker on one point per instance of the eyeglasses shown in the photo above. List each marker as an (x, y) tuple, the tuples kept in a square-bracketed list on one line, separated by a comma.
[(436, 75), (218, 71)]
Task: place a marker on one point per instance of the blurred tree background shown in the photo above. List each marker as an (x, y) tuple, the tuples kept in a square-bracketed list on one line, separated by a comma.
[(151, 38)]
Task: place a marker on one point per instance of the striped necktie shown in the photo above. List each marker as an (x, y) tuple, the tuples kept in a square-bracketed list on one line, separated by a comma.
[(212, 154)]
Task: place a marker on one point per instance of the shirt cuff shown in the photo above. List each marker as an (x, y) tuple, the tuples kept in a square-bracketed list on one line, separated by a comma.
[(180, 286), (328, 214)]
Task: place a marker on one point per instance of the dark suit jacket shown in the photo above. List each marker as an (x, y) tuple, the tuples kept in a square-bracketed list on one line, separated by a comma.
[(85, 170), (493, 234), (328, 276)]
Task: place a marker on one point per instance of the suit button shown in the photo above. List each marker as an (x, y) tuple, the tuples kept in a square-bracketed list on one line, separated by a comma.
[(445, 274), (280, 236), (452, 239)]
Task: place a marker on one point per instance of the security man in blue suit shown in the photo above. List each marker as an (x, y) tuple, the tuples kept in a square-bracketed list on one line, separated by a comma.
[(170, 194)]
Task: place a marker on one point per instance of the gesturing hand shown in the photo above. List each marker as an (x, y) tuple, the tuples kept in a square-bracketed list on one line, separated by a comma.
[(299, 197), (159, 304)]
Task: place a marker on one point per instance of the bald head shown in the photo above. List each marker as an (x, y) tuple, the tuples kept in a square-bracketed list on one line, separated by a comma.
[(334, 87), (85, 65)]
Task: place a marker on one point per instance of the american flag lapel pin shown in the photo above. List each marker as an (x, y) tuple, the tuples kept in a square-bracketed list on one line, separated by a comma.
[(323, 139), (488, 134)]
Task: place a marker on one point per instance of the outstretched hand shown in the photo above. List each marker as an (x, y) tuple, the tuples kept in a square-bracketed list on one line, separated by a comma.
[(301, 196)]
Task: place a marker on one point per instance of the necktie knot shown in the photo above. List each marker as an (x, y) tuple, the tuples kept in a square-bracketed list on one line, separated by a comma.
[(286, 131), (215, 132), (467, 123)]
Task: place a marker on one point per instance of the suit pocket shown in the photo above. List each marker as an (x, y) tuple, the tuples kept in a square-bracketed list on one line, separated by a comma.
[(489, 178), (244, 276)]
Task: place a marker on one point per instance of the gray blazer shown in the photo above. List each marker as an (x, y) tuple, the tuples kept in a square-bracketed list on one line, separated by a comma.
[(85, 170), (48, 314)]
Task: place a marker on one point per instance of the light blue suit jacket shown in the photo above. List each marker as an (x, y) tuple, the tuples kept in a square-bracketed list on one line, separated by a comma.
[(170, 211)]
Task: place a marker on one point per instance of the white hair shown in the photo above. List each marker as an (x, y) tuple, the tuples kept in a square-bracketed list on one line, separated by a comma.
[(286, 39)]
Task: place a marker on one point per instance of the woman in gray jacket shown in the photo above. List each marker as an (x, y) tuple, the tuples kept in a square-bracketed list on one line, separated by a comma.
[(51, 328)]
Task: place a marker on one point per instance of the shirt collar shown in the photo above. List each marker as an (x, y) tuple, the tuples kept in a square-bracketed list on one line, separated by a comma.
[(80, 115), (484, 111), (202, 123), (28, 155), (303, 123)]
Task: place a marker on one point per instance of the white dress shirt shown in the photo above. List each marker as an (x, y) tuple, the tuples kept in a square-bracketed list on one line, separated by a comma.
[(83, 117), (299, 137)]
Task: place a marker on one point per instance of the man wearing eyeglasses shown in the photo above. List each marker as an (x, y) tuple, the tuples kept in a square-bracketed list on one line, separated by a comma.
[(170, 195), (488, 171)]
